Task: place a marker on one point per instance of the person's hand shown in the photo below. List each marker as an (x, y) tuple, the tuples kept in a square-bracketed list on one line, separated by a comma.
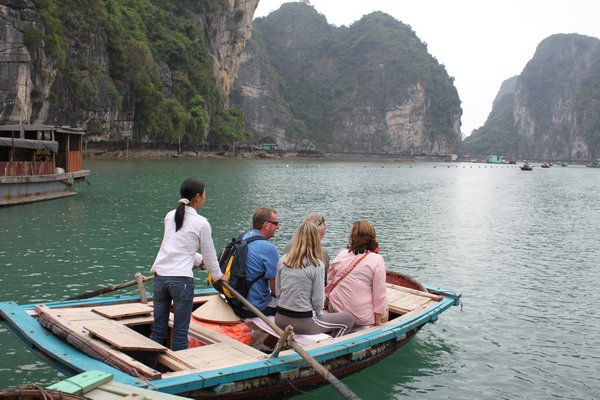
[(224, 278), (377, 319)]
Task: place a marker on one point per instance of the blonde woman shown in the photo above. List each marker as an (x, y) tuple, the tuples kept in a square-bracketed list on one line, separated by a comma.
[(300, 289)]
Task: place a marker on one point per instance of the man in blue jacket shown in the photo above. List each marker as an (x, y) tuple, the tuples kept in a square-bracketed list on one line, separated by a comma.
[(261, 261)]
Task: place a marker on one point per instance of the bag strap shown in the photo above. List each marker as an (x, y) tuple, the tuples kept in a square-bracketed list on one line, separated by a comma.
[(253, 238), (328, 290), (250, 240)]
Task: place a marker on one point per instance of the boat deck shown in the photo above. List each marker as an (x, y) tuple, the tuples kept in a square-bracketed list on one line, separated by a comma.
[(110, 334), (113, 334)]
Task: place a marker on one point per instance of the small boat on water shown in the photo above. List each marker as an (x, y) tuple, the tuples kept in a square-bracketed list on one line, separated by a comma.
[(110, 334), (594, 164), (527, 167), (546, 165), (39, 162)]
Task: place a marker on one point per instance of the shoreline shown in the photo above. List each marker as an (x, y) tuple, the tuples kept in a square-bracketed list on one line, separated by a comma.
[(165, 154)]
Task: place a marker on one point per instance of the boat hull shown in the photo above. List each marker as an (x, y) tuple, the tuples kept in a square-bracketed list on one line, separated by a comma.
[(26, 189), (302, 380)]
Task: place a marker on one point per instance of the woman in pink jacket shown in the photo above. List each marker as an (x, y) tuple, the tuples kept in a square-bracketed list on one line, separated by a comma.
[(356, 278)]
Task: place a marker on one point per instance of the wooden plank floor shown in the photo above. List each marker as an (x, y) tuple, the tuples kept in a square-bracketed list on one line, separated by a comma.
[(402, 300), (119, 311), (212, 356), (115, 336), (121, 337), (75, 319)]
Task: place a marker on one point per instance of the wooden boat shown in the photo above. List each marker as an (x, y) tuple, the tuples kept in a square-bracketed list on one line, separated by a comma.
[(527, 167), (39, 162), (110, 334)]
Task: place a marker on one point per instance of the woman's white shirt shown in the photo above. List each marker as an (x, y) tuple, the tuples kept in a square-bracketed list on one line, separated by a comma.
[(178, 251)]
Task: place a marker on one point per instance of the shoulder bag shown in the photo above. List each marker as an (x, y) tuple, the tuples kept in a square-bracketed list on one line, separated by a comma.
[(329, 288)]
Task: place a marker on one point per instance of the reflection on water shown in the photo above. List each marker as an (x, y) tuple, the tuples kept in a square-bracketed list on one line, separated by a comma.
[(521, 247)]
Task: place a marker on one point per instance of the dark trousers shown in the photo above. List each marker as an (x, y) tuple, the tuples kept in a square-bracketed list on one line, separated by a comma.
[(250, 314), (180, 291)]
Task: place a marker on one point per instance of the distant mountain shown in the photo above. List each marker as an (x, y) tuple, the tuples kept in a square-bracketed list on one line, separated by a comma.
[(499, 134), (554, 110), (368, 88)]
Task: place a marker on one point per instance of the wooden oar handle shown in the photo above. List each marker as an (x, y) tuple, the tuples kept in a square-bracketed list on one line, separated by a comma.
[(112, 288)]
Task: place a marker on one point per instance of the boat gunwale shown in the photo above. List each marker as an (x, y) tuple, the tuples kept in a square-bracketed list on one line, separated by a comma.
[(29, 331)]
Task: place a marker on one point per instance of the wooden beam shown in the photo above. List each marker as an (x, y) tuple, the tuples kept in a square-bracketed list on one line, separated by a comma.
[(74, 334)]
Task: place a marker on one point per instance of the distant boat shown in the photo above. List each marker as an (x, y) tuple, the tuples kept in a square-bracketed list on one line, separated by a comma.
[(563, 164), (545, 165), (39, 162), (594, 164), (527, 167)]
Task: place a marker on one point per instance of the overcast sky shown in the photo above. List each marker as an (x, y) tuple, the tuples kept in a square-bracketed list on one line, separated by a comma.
[(480, 42)]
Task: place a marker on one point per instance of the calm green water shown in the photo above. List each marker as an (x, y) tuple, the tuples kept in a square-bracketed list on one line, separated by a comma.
[(522, 247)]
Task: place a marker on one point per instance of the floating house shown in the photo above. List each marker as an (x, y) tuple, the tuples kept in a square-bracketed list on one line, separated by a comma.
[(39, 162), (494, 159), (269, 147)]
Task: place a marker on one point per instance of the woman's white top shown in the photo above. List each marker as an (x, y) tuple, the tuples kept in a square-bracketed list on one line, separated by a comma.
[(178, 250)]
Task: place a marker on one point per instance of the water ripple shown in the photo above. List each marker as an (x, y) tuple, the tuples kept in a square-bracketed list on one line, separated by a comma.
[(520, 247)]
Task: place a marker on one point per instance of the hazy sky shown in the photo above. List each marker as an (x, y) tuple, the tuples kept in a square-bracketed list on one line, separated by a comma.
[(480, 42)]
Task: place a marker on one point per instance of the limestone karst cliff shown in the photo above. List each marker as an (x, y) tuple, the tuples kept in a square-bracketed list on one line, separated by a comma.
[(164, 73), (149, 71), (553, 111), (368, 88), (557, 99)]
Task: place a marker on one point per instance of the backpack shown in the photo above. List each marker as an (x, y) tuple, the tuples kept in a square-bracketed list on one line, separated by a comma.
[(232, 262)]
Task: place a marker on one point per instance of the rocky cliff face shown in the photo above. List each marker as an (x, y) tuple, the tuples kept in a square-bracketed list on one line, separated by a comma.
[(34, 87), (258, 94), (551, 111), (499, 133), (368, 88), (557, 99), (227, 34), (15, 60)]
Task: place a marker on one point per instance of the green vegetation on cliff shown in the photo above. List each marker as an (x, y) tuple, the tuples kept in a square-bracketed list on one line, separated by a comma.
[(498, 135), (140, 38), (378, 62), (552, 111)]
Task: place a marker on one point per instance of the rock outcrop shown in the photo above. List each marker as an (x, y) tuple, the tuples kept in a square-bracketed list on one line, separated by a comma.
[(15, 60), (557, 100), (78, 87), (368, 88), (227, 33), (551, 111)]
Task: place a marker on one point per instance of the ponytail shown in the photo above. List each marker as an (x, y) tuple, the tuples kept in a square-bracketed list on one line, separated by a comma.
[(188, 190)]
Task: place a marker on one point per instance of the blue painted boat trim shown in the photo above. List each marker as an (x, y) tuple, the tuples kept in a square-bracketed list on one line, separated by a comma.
[(36, 337)]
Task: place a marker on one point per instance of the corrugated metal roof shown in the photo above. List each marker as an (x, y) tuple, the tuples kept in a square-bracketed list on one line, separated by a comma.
[(30, 128), (29, 144)]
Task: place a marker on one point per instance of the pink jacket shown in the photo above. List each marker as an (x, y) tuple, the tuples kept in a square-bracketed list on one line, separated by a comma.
[(362, 292)]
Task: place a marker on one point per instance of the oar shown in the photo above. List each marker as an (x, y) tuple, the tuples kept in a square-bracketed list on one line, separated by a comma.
[(112, 288), (324, 372), (109, 289)]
